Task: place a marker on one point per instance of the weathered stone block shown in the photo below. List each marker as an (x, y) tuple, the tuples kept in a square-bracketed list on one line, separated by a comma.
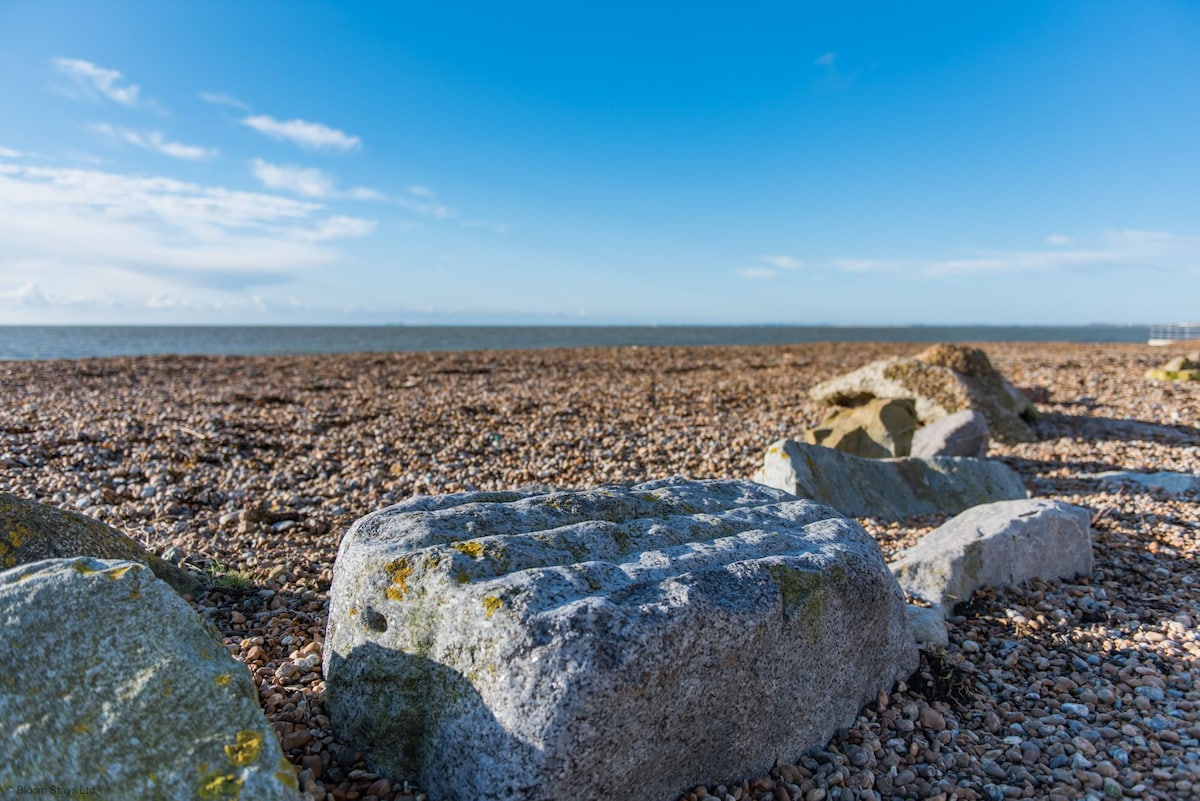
[(963, 433), (997, 545), (889, 489), (610, 643), (111, 681), (31, 532), (879, 429)]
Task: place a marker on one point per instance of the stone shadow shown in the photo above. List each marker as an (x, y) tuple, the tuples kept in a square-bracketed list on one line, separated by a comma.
[(416, 719)]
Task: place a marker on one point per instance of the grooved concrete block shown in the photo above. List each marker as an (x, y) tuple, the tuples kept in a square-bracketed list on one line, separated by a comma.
[(111, 681), (889, 489), (608, 643), (997, 545)]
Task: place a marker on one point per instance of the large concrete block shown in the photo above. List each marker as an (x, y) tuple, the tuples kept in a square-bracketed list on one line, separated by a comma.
[(610, 643)]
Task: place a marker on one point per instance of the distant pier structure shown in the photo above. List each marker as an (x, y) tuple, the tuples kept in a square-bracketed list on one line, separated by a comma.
[(1169, 334)]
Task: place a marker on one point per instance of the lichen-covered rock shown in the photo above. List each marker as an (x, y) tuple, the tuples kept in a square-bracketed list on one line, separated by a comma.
[(1180, 368), (112, 681), (879, 429), (997, 545), (31, 532), (963, 433), (942, 380), (609, 643), (889, 489)]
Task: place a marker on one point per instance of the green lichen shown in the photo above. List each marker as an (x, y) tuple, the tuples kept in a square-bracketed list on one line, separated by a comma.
[(223, 680), (462, 577), (801, 592)]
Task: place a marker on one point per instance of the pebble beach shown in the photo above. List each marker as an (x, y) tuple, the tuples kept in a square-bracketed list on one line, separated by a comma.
[(252, 469)]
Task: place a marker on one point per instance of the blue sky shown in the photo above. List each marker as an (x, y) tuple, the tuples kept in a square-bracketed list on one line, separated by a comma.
[(806, 163)]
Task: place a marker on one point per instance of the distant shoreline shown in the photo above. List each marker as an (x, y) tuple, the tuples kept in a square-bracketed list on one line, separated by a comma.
[(21, 342)]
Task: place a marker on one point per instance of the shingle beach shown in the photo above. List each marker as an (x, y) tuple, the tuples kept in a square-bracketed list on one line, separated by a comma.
[(254, 467)]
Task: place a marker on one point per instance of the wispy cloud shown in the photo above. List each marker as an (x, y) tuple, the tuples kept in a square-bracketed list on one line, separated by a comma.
[(1121, 249), (308, 182), (222, 99), (495, 228), (9, 153), (757, 273), (830, 78), (784, 262), (308, 135), (436, 211), (420, 191), (156, 142), (130, 235), (95, 80)]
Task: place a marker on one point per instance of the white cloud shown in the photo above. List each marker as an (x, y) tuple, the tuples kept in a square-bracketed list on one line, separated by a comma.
[(105, 235), (1122, 249), (757, 272), (339, 228), (8, 153), (495, 228), (93, 79), (306, 181), (308, 135), (27, 295), (222, 99), (420, 191), (784, 262), (435, 210), (826, 59), (363, 193), (156, 142)]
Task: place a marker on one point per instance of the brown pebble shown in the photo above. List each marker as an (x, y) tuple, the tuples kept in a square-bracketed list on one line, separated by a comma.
[(297, 739), (930, 718), (380, 788)]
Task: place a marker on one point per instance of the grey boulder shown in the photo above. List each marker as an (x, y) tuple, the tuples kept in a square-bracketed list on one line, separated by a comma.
[(889, 489), (963, 433), (997, 545), (608, 643), (1168, 481), (31, 532), (111, 681)]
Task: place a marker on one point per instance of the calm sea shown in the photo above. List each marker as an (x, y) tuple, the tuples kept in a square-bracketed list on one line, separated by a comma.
[(77, 342)]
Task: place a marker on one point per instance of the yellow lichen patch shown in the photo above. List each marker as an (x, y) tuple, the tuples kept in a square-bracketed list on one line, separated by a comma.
[(286, 774), (79, 567), (246, 749), (223, 680), (118, 572), (81, 728), (462, 577), (472, 549), (215, 786), (398, 572), (491, 603)]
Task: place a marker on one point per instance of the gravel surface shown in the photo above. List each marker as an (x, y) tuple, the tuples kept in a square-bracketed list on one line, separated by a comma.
[(252, 468)]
